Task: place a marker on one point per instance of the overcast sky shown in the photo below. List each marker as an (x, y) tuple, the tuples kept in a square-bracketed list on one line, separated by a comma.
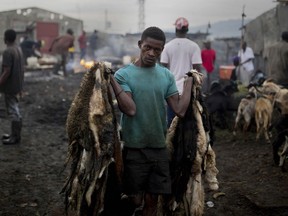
[(123, 14)]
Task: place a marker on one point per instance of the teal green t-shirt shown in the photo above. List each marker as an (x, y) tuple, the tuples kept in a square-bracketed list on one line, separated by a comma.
[(149, 87)]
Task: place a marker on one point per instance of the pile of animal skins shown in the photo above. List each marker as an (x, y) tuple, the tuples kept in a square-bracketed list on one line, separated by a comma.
[(94, 143), (192, 156)]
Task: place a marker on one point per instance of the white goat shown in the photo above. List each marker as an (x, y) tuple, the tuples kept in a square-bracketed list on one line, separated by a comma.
[(246, 111)]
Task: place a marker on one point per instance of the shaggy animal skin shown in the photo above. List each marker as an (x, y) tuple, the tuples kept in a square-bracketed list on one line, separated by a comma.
[(191, 155), (94, 144)]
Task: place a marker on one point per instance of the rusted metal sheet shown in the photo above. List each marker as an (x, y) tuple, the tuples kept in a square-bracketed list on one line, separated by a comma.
[(46, 32)]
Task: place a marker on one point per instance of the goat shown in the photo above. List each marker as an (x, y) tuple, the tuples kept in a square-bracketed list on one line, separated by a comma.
[(280, 102), (219, 102), (263, 116), (280, 95), (246, 110)]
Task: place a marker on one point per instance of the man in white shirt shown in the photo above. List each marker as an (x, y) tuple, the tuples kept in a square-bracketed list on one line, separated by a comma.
[(246, 64), (181, 55)]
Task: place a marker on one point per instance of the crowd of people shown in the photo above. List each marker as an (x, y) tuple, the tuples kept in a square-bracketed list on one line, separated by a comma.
[(142, 89)]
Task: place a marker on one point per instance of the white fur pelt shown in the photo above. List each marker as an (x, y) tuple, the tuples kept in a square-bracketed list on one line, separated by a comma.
[(204, 165)]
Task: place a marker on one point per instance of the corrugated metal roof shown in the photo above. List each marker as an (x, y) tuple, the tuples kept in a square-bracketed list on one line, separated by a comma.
[(38, 9)]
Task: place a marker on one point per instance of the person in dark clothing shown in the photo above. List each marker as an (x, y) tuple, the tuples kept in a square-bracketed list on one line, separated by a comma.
[(30, 48), (276, 59), (236, 62), (93, 44), (11, 84)]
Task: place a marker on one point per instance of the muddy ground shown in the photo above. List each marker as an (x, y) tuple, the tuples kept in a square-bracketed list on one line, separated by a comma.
[(31, 174)]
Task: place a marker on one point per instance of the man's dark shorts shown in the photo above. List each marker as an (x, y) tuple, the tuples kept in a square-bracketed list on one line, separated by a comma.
[(146, 170)]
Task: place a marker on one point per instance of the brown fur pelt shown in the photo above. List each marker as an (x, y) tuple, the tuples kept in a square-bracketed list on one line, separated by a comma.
[(94, 143), (201, 161)]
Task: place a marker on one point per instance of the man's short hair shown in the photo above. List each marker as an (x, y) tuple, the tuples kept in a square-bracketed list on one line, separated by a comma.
[(155, 33), (10, 35), (70, 31), (183, 30)]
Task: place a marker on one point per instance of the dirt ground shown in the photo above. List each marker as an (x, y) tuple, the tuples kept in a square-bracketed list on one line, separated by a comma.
[(32, 173)]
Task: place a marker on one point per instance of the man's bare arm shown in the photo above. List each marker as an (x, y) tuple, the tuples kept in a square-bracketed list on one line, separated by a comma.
[(179, 104), (4, 76), (124, 99)]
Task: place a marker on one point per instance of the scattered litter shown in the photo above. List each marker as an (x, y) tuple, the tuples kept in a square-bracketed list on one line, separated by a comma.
[(216, 195), (28, 177), (31, 204), (210, 204), (23, 205)]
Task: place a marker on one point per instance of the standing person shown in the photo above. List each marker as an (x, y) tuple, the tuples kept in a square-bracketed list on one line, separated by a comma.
[(180, 55), (82, 40), (93, 43), (142, 90), (235, 71), (11, 84), (30, 48), (246, 55), (208, 58), (60, 48), (276, 57), (277, 61)]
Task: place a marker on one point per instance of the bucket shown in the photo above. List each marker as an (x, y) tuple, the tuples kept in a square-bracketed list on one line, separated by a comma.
[(225, 71)]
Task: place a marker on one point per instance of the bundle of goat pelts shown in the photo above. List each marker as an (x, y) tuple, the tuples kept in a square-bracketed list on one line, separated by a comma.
[(94, 144), (192, 157)]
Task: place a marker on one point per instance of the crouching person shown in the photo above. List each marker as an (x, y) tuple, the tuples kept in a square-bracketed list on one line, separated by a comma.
[(11, 84), (142, 90)]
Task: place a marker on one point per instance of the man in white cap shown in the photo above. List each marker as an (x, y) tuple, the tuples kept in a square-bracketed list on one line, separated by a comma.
[(180, 55)]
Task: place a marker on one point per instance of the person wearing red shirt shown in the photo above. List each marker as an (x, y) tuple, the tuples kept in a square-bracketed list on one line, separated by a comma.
[(82, 44), (208, 59)]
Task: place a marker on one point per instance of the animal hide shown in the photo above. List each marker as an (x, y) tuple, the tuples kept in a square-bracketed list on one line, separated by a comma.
[(94, 143), (192, 156)]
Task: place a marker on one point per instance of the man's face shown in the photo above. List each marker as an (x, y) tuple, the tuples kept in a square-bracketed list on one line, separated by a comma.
[(244, 45), (151, 50)]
